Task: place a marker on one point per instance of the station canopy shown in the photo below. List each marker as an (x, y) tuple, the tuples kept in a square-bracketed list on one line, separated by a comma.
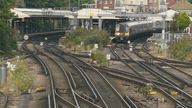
[(95, 13), (169, 14), (19, 14)]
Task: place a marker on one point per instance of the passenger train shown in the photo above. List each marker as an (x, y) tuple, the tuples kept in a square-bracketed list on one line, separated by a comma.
[(129, 30)]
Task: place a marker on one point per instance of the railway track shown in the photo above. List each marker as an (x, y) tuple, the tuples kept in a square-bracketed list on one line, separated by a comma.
[(168, 72), (110, 97), (54, 98), (82, 85), (162, 78), (187, 78), (62, 85), (172, 72), (159, 86), (3, 100)]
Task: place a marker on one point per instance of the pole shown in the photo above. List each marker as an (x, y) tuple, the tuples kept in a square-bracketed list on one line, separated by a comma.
[(78, 4), (91, 22), (163, 43), (3, 73), (69, 4), (100, 23)]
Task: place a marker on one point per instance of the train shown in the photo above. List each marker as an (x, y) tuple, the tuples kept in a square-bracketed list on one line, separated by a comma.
[(130, 30)]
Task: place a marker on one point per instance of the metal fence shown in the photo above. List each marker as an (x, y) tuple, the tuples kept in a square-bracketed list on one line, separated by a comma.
[(163, 40)]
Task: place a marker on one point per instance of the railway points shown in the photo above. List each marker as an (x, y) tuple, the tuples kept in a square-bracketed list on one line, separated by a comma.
[(132, 78)]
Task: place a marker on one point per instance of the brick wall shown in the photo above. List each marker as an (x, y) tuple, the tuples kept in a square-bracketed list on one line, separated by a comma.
[(105, 4), (171, 2)]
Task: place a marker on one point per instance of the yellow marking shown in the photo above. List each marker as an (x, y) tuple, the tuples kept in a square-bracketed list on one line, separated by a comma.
[(127, 33), (152, 92), (174, 93), (40, 89)]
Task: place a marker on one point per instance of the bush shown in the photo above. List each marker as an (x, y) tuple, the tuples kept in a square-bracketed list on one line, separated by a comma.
[(100, 57), (21, 77), (182, 48), (88, 37)]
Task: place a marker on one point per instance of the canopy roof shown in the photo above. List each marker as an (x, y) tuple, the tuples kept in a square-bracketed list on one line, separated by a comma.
[(19, 14), (86, 13)]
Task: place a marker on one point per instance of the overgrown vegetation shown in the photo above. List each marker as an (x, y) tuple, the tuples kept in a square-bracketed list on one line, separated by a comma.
[(190, 1), (20, 77), (99, 57), (86, 38), (7, 39), (182, 48)]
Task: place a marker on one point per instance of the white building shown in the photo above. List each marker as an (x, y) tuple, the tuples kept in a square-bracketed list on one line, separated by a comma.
[(135, 6), (162, 5)]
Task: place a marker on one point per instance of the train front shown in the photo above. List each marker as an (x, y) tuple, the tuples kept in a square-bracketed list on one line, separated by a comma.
[(121, 32)]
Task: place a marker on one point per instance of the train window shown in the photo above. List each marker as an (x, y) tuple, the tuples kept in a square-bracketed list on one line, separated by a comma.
[(126, 28), (117, 27)]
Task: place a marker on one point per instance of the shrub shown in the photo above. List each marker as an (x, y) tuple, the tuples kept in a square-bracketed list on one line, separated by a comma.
[(100, 57), (88, 37), (182, 48), (21, 78)]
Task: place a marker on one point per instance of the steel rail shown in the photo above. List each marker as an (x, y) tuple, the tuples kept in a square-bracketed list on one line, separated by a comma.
[(180, 90), (114, 90), (5, 97), (164, 92), (104, 103), (46, 70), (88, 81), (69, 83)]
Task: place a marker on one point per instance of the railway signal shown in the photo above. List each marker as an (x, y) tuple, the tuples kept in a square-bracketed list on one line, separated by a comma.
[(108, 56), (46, 38), (130, 48), (25, 37), (41, 43)]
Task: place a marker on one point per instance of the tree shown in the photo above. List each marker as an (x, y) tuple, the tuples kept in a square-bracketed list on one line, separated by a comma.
[(7, 40), (190, 1), (181, 20), (54, 3)]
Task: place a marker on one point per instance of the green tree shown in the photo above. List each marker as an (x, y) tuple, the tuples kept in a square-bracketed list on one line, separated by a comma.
[(55, 3), (7, 40), (181, 20), (190, 1)]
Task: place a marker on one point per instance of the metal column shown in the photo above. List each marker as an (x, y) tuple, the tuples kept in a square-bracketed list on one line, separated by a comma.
[(100, 23), (3, 73), (75, 21), (91, 22)]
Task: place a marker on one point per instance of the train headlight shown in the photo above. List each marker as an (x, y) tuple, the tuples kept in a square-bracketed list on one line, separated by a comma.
[(117, 33)]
